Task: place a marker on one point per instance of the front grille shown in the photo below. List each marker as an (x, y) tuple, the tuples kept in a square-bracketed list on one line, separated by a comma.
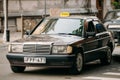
[(36, 48)]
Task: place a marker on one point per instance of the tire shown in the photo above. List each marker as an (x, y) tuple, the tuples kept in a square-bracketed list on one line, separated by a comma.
[(106, 60), (78, 64), (18, 69)]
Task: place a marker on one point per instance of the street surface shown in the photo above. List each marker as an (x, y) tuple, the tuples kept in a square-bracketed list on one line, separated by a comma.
[(92, 71)]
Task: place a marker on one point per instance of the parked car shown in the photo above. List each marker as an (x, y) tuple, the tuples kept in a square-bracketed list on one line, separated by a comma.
[(112, 22), (68, 42)]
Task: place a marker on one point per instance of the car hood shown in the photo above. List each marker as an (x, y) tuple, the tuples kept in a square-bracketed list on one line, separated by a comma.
[(55, 39)]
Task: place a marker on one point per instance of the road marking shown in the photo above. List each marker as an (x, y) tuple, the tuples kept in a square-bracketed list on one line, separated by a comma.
[(112, 73), (100, 78)]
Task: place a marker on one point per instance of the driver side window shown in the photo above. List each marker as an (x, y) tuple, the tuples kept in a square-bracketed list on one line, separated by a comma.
[(90, 30), (91, 27)]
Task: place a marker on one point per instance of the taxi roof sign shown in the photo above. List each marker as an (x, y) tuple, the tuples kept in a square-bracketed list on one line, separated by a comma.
[(64, 14)]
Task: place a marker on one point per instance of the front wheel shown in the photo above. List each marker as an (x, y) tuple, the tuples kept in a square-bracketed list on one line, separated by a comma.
[(78, 64), (106, 60), (18, 69)]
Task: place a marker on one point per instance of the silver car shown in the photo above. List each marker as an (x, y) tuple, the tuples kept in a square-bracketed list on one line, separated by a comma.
[(112, 22)]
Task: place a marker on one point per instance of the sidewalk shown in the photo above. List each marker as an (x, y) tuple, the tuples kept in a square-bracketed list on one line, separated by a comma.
[(13, 36)]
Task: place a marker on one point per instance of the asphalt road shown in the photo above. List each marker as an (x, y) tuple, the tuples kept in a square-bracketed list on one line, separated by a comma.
[(92, 71)]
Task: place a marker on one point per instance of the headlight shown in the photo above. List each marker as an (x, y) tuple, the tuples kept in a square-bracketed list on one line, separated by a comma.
[(62, 49), (15, 48)]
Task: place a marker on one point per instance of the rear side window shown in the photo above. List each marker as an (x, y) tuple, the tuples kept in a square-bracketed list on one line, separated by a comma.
[(100, 28)]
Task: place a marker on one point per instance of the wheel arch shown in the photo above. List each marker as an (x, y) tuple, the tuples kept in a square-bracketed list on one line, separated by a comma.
[(79, 50), (110, 44)]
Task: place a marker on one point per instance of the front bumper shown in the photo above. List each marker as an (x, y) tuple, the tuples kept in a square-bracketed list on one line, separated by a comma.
[(51, 60)]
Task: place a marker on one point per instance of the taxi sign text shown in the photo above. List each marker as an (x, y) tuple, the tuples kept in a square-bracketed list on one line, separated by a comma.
[(64, 14)]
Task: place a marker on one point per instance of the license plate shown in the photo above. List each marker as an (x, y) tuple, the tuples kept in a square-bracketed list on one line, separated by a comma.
[(34, 60)]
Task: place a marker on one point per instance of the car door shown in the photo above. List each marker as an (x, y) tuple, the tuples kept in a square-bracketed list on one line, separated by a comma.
[(102, 35), (91, 43)]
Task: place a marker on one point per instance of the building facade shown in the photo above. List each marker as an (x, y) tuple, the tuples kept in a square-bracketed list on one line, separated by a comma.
[(33, 10)]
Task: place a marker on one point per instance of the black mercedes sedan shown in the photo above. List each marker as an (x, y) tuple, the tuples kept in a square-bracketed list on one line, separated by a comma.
[(67, 42)]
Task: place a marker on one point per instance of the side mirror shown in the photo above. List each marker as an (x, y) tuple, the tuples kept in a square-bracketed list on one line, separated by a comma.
[(90, 34), (27, 32)]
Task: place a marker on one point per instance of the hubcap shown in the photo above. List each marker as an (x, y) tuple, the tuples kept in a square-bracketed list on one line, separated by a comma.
[(79, 62), (109, 55)]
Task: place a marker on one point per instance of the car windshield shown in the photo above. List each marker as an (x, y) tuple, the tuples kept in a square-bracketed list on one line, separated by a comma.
[(60, 26), (113, 15)]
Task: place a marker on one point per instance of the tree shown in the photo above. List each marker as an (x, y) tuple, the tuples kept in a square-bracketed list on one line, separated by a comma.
[(116, 4)]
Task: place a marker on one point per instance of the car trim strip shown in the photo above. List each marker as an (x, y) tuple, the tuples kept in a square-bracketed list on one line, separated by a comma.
[(95, 49)]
